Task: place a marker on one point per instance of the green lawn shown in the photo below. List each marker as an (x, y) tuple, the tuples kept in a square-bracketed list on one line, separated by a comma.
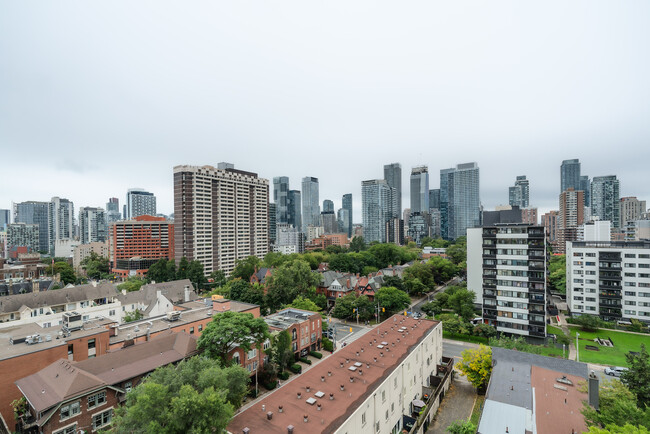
[(615, 356), (464, 338), (477, 410), (554, 330)]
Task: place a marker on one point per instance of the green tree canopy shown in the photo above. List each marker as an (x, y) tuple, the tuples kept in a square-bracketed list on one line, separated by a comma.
[(614, 429), (462, 303), (617, 406), (289, 281), (304, 304), (357, 244), (162, 271), (96, 267), (64, 270), (637, 378), (133, 283), (196, 396), (557, 273), (196, 275), (461, 427), (244, 268), (281, 353), (476, 365), (392, 299), (230, 329)]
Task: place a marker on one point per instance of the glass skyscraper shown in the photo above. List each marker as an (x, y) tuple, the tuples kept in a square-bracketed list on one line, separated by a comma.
[(459, 200), (347, 205), (328, 206), (570, 175), (139, 202), (605, 199), (35, 213), (420, 189), (376, 201), (294, 209), (281, 199), (310, 203), (519, 194), (585, 185), (393, 177)]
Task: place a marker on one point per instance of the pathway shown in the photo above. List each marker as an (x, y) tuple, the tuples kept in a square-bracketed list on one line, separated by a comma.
[(565, 328), (456, 405)]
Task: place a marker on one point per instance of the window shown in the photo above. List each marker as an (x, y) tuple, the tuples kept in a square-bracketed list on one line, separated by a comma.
[(200, 327), (386, 414), (111, 312), (191, 330), (102, 419), (96, 399), (69, 410), (630, 255), (128, 386), (266, 344), (644, 265), (294, 334), (383, 396), (363, 418), (630, 293), (72, 429), (235, 358), (392, 407), (644, 256), (252, 353), (91, 348)]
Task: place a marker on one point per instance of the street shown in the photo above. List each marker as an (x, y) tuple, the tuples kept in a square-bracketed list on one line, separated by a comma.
[(416, 306)]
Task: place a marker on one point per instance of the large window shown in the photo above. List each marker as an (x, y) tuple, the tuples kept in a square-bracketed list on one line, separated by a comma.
[(96, 399), (102, 419), (72, 429), (69, 410)]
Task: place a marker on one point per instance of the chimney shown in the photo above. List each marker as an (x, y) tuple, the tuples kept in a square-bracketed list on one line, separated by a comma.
[(592, 386), (187, 293)]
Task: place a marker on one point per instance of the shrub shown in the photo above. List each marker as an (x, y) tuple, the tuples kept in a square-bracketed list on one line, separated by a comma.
[(295, 368), (271, 385), (284, 375), (316, 354), (328, 345), (305, 360)]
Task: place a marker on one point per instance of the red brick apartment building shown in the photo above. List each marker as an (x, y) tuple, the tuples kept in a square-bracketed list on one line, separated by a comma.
[(70, 397), (134, 245)]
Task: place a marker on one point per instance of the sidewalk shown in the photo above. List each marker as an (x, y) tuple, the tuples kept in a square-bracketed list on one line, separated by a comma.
[(456, 405)]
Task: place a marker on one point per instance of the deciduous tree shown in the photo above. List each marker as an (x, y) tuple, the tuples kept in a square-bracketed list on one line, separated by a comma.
[(637, 378), (392, 299), (476, 365)]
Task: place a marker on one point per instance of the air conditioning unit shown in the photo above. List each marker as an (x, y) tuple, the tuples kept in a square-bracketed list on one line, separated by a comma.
[(174, 315), (72, 321)]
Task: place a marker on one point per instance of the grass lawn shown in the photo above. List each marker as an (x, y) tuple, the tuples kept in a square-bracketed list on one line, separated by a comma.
[(554, 330), (478, 409), (464, 338), (623, 343)]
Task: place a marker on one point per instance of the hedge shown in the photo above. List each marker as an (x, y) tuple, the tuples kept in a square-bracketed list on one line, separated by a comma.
[(295, 368), (284, 375), (305, 360), (271, 385), (316, 354)]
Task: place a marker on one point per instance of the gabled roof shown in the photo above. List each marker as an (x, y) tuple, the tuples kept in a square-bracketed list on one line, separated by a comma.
[(56, 383), (173, 291), (63, 380), (12, 303)]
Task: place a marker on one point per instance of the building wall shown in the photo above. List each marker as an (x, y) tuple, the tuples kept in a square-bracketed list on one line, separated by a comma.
[(84, 419), (15, 368), (395, 394), (220, 216), (475, 263), (611, 280)]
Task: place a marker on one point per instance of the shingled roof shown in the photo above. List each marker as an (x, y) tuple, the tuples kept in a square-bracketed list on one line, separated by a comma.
[(33, 300)]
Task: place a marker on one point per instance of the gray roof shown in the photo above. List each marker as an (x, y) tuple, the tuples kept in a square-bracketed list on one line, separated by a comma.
[(174, 291), (327, 277), (24, 287), (13, 303), (510, 380)]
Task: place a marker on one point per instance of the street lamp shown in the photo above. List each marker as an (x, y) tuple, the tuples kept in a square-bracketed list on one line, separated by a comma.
[(577, 348)]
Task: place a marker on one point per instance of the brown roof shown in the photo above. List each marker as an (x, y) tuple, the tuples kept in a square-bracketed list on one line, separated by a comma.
[(63, 380), (129, 362), (55, 383), (557, 404), (335, 412)]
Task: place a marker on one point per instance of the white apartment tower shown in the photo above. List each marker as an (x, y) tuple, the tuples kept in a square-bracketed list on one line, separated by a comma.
[(221, 215), (506, 264), (609, 279)]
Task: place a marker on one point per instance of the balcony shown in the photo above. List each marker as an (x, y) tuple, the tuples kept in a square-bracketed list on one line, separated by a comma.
[(536, 321), (537, 333)]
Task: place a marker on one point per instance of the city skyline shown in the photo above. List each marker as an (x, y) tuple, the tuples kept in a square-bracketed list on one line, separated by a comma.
[(200, 100)]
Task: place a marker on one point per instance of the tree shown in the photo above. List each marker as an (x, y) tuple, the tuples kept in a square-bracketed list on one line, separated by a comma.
[(304, 304), (637, 378), (414, 286), (183, 265), (357, 244), (617, 406), (476, 365), (132, 284), (289, 281), (96, 267), (430, 309), (392, 299), (196, 275), (614, 429), (442, 269), (237, 288), (217, 278), (162, 271), (484, 330), (453, 324), (344, 306), (588, 323), (462, 302), (457, 252), (461, 427), (281, 352), (195, 396), (64, 270), (133, 316), (394, 281), (229, 329), (244, 268)]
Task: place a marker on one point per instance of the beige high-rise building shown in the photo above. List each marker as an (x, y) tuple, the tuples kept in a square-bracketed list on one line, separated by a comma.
[(220, 215), (631, 210), (572, 208)]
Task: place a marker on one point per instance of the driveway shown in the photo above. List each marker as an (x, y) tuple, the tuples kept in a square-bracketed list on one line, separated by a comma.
[(456, 405)]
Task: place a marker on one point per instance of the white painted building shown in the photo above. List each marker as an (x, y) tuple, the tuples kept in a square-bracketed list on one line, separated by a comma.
[(609, 279)]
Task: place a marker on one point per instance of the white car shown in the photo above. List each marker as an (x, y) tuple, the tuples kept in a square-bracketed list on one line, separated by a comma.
[(615, 371)]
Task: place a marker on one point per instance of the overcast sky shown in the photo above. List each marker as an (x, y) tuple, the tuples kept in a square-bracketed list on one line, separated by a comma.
[(99, 97)]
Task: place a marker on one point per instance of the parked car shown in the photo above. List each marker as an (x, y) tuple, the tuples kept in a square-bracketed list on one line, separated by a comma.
[(615, 371)]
